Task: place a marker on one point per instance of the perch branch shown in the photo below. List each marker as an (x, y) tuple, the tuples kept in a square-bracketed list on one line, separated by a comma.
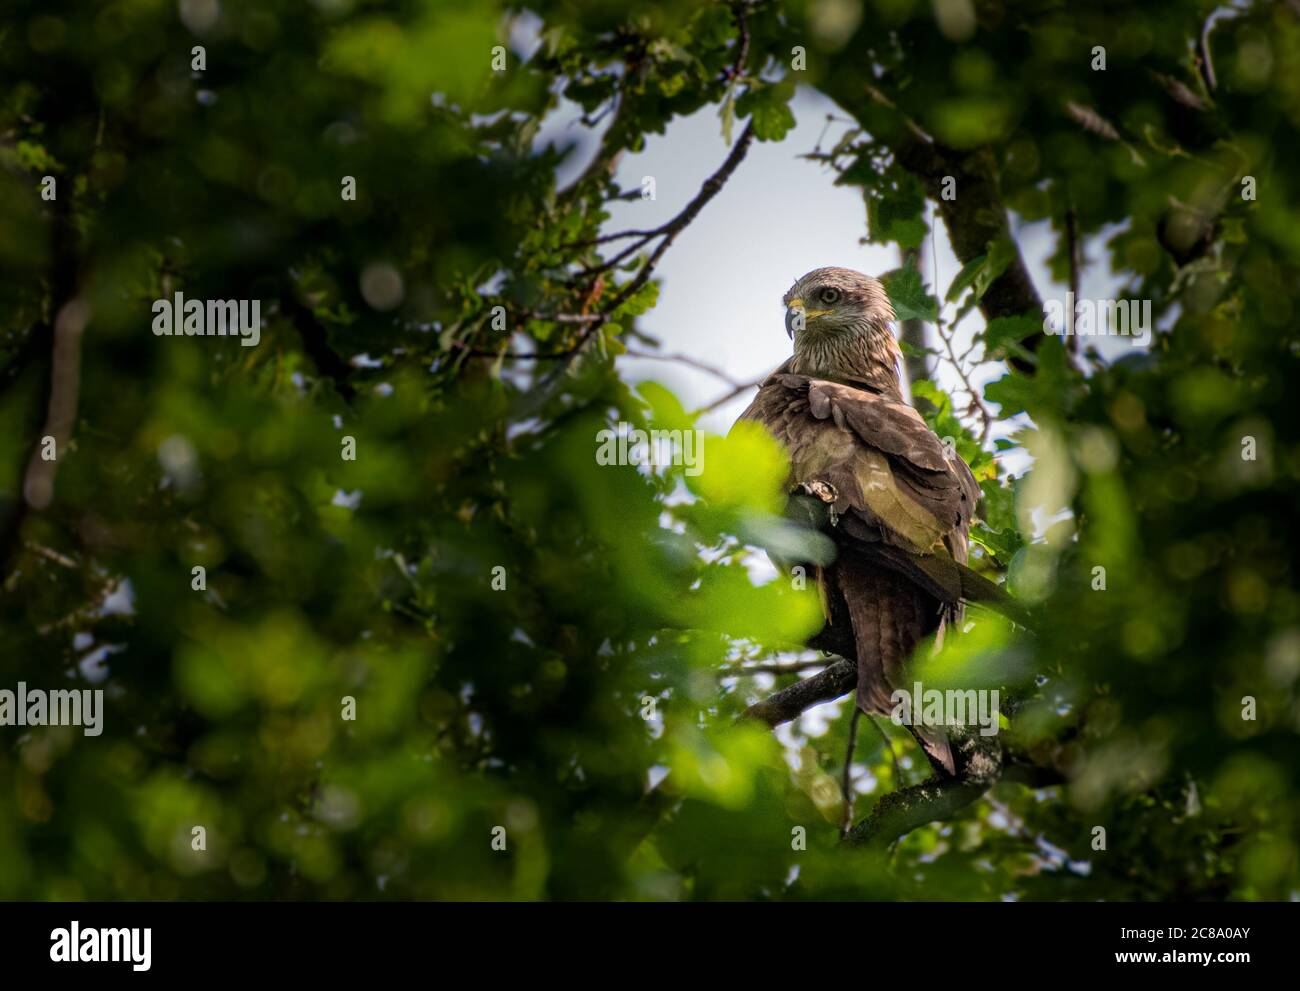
[(900, 812), (789, 703)]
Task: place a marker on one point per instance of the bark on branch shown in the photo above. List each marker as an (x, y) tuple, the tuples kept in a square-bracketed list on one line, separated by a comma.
[(975, 218), (65, 386), (973, 212), (898, 813), (62, 330), (790, 703)]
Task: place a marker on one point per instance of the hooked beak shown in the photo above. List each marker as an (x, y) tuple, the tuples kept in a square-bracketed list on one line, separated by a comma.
[(795, 317)]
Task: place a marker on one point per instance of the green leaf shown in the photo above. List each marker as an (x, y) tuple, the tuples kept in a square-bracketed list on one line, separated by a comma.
[(907, 293), (1000, 255), (897, 216), (965, 277), (611, 342), (767, 106), (640, 301), (728, 114), (1003, 335)]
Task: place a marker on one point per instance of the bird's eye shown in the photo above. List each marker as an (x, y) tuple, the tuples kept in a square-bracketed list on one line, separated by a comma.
[(829, 295)]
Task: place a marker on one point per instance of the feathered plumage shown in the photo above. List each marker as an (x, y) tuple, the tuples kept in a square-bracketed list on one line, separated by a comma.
[(899, 501)]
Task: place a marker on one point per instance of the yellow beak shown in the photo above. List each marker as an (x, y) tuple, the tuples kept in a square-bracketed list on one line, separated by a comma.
[(796, 317)]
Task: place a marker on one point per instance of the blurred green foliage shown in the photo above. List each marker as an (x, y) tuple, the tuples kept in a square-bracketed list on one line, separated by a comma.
[(528, 707)]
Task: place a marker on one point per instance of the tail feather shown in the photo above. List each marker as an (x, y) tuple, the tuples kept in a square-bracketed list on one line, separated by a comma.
[(950, 581), (937, 745), (890, 616)]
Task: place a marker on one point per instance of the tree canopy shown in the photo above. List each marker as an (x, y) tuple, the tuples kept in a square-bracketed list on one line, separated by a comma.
[(547, 656)]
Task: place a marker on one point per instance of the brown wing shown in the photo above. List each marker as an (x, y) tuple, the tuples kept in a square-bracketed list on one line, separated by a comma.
[(895, 479)]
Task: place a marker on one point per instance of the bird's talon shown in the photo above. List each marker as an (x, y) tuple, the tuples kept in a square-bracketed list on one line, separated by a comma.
[(824, 491)]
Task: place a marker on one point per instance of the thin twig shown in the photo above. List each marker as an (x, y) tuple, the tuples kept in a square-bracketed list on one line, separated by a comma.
[(686, 359), (669, 231), (561, 317), (618, 236), (1072, 246), (847, 784), (728, 396), (1207, 59), (712, 186), (775, 668), (976, 402), (51, 555), (893, 754)]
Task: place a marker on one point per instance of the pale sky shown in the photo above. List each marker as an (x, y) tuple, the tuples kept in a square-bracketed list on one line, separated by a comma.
[(777, 217)]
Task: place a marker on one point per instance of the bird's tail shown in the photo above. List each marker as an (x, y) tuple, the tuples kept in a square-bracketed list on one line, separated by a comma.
[(950, 581), (890, 616)]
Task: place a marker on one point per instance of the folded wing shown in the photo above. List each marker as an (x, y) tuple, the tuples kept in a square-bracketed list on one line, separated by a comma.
[(896, 481)]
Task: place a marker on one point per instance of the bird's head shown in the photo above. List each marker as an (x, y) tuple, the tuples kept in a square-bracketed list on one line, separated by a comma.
[(841, 324), (837, 301)]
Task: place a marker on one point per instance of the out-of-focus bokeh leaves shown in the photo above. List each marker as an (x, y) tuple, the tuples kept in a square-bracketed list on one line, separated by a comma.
[(543, 649)]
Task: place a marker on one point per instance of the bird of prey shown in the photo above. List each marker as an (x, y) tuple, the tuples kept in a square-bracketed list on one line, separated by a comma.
[(897, 501)]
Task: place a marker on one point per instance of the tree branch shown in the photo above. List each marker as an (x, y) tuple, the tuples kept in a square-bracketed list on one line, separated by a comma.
[(669, 231), (65, 386), (912, 332), (777, 668), (686, 359), (66, 322), (847, 784), (789, 703), (900, 812), (728, 396), (975, 217)]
